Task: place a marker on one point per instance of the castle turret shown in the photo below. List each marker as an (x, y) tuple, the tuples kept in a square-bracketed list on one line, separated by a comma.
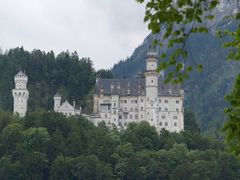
[(151, 87), (20, 94), (57, 101)]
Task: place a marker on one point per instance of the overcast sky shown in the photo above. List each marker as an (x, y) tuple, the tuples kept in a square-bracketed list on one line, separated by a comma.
[(104, 30)]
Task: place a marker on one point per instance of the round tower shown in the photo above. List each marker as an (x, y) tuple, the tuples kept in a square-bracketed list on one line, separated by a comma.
[(151, 87), (20, 94), (57, 101)]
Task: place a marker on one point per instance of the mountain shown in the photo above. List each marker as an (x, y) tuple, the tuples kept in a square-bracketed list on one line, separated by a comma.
[(204, 91)]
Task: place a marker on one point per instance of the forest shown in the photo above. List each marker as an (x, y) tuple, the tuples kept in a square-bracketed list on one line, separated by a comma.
[(47, 145), (47, 73)]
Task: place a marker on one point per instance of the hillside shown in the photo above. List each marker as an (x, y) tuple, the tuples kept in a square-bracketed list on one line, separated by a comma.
[(47, 145), (47, 74), (204, 91)]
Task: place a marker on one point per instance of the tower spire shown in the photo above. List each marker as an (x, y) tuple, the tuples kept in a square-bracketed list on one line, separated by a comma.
[(20, 93)]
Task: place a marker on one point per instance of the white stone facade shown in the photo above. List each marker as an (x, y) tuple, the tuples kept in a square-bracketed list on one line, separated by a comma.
[(20, 94), (66, 108), (121, 101)]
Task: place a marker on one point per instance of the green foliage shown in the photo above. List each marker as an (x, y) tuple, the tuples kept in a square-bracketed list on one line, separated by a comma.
[(47, 73), (47, 145), (102, 73), (232, 125), (177, 21)]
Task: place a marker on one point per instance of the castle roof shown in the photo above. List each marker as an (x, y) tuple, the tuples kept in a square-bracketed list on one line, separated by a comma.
[(66, 106), (20, 73), (134, 87), (57, 94)]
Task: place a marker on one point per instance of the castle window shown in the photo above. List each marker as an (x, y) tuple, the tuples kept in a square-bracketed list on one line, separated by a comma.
[(152, 81), (160, 108), (141, 100), (166, 124), (114, 104), (120, 116), (131, 116), (174, 117), (136, 116), (163, 117), (141, 108), (125, 101), (166, 109), (166, 101), (105, 115), (175, 124), (131, 109), (160, 124), (159, 100), (141, 116), (177, 110), (151, 119), (177, 101), (136, 109)]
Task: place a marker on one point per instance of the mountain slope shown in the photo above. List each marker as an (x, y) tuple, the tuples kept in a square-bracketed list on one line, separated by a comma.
[(204, 91)]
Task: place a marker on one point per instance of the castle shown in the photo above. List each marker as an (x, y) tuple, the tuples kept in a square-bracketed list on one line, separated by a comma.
[(66, 108), (20, 94), (119, 102)]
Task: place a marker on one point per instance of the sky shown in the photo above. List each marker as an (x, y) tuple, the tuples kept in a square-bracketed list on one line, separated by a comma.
[(104, 30)]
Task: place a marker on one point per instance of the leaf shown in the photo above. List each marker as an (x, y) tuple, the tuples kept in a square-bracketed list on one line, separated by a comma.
[(199, 67)]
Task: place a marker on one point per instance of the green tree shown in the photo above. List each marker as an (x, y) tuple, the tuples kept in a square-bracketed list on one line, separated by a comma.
[(232, 126), (62, 168), (176, 21), (10, 169), (102, 73), (141, 136), (190, 122), (12, 135)]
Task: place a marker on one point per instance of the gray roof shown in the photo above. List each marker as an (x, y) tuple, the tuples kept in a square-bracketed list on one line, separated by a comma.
[(134, 87)]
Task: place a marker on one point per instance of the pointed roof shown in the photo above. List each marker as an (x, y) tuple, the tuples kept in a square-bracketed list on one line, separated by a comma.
[(57, 94), (21, 73), (66, 106)]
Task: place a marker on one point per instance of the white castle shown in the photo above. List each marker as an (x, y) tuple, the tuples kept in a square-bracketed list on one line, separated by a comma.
[(121, 101), (66, 108), (20, 94)]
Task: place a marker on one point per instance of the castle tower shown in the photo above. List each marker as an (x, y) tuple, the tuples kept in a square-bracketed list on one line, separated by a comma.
[(20, 94), (57, 101), (151, 88)]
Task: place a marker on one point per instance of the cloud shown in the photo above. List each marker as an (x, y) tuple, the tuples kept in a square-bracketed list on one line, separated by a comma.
[(104, 30)]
